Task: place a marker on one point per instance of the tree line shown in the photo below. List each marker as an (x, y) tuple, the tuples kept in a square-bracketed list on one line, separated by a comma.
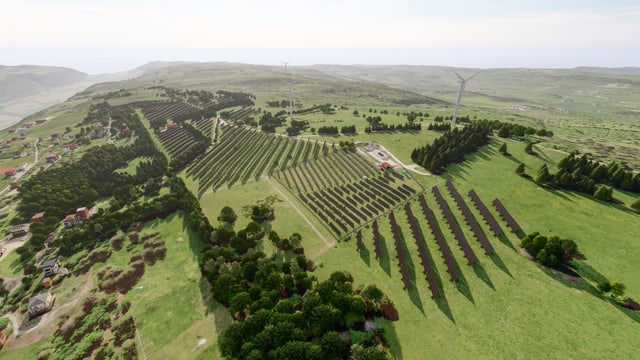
[(579, 173), (451, 147)]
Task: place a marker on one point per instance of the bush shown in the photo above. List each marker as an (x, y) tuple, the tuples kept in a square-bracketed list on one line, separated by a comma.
[(636, 205)]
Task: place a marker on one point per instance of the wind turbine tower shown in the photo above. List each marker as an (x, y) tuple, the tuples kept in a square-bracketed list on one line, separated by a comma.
[(290, 85), (463, 83)]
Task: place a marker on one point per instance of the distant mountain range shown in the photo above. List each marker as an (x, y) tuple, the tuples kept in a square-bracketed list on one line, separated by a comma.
[(25, 89)]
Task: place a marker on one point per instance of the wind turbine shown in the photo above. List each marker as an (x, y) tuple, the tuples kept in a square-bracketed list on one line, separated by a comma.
[(463, 83), (290, 85)]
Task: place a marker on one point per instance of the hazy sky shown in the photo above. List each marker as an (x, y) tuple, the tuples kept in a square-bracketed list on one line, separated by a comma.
[(112, 35)]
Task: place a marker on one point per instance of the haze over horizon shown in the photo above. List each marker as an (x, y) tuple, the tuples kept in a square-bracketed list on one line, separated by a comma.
[(120, 35)]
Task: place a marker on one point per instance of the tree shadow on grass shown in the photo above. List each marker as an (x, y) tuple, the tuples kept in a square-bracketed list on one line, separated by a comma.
[(195, 243), (384, 260), (587, 276), (365, 255), (605, 203), (391, 336), (482, 274)]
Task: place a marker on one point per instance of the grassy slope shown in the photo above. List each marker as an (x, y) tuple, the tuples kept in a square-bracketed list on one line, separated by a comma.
[(504, 310), (509, 307), (170, 311)]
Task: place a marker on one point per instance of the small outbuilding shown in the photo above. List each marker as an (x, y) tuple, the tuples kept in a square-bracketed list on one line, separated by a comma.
[(19, 230)]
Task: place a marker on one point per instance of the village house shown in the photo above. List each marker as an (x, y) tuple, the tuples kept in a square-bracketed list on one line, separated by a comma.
[(14, 185), (50, 267), (39, 217), (11, 172), (40, 121), (19, 230), (72, 219), (40, 304), (51, 158)]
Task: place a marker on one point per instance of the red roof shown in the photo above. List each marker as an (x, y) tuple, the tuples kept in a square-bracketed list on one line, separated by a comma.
[(385, 165), (70, 217)]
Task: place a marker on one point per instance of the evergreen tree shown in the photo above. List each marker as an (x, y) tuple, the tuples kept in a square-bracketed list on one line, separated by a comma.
[(520, 169), (503, 149), (529, 148), (636, 205), (603, 193), (543, 175)]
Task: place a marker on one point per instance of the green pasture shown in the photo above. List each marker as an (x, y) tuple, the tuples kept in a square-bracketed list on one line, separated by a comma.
[(170, 305), (508, 306)]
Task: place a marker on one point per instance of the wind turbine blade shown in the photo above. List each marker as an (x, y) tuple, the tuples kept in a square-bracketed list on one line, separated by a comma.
[(458, 75), (474, 75)]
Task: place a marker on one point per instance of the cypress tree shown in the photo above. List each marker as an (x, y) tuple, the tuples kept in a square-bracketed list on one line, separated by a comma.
[(529, 148), (543, 174)]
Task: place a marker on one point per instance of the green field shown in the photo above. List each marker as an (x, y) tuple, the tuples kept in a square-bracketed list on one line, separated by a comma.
[(506, 306)]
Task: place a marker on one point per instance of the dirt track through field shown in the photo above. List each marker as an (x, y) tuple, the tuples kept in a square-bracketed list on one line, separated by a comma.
[(328, 243)]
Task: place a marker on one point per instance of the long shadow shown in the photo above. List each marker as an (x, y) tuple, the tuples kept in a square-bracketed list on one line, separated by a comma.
[(365, 255), (605, 203), (395, 348), (463, 287), (461, 284), (505, 240), (414, 294), (482, 274), (441, 301), (384, 260), (512, 158), (588, 275), (497, 261), (558, 193), (443, 305)]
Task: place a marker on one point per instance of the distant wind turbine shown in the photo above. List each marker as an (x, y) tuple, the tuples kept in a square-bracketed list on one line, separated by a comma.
[(290, 85), (463, 83)]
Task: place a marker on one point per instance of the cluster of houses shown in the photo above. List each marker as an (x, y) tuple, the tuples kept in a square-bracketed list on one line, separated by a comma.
[(44, 301)]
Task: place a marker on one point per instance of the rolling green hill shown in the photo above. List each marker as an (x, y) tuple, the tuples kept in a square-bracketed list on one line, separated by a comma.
[(503, 306)]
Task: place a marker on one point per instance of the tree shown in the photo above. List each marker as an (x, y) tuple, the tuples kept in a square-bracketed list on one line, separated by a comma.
[(529, 148), (333, 347), (618, 288), (503, 149), (504, 132), (603, 193), (636, 205), (240, 302), (520, 169), (227, 215), (543, 174), (604, 286)]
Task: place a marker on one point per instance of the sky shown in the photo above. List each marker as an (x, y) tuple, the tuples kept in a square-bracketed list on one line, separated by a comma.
[(117, 35)]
